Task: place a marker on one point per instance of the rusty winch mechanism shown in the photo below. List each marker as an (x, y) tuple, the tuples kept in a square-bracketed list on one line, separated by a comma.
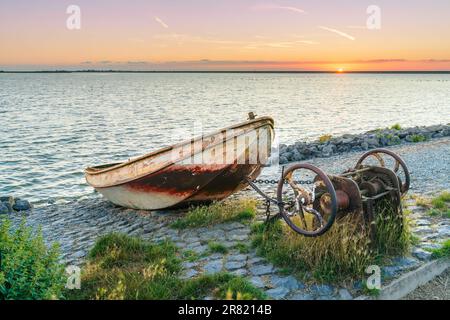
[(310, 206)]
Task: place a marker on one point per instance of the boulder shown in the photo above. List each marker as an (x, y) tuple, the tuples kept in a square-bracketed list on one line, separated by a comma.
[(296, 156), (307, 151), (283, 160), (9, 202), (343, 148), (3, 209), (21, 205), (347, 140), (364, 145), (384, 141), (403, 134), (328, 150), (299, 145), (299, 157), (8, 199), (394, 140), (286, 155), (373, 142)]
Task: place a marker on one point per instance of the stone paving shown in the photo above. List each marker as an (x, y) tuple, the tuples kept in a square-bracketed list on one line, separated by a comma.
[(77, 225)]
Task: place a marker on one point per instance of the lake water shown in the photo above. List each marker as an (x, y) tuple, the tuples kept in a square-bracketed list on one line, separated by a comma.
[(54, 125)]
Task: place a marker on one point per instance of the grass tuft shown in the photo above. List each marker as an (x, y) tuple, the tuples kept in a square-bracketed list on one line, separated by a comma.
[(440, 205), (217, 212), (222, 286), (340, 254), (190, 255), (443, 252), (120, 267), (396, 127), (422, 202), (392, 236), (418, 138), (216, 247), (242, 248)]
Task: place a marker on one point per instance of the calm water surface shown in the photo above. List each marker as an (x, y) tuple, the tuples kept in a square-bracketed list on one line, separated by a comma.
[(53, 125)]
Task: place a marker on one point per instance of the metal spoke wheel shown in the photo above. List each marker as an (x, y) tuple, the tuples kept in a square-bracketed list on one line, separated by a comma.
[(390, 160), (297, 200)]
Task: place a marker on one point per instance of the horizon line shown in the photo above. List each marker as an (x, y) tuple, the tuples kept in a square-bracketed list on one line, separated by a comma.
[(229, 71)]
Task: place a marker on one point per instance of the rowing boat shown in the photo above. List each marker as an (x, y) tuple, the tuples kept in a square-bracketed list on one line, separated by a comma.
[(202, 169)]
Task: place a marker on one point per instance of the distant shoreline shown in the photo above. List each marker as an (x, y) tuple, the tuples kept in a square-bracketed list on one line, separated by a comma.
[(228, 71)]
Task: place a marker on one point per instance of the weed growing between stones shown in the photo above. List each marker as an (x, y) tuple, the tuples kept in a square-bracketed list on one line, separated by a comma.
[(217, 212), (121, 267), (441, 205), (190, 255), (340, 254), (438, 206), (242, 248), (396, 126), (443, 252), (216, 247)]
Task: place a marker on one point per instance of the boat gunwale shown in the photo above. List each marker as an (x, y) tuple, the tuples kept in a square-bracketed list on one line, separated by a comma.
[(94, 171)]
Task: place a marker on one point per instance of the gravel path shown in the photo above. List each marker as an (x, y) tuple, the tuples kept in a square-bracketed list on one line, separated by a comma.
[(437, 289)]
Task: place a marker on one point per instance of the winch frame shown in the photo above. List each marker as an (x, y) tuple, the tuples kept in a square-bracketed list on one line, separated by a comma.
[(354, 192)]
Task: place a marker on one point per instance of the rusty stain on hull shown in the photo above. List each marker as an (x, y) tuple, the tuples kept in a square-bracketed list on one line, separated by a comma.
[(157, 181)]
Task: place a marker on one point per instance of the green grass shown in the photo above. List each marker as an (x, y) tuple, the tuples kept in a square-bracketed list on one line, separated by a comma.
[(442, 201), (121, 267), (216, 247), (440, 205), (190, 255), (340, 254), (391, 138), (396, 127), (325, 138), (217, 212), (439, 213), (392, 236), (371, 292), (443, 252), (418, 138), (242, 248), (222, 286)]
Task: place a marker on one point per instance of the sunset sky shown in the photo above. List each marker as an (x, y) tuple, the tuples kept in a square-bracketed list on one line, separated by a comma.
[(225, 35)]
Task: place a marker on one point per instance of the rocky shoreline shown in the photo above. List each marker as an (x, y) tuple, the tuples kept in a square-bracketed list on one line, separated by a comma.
[(9, 204), (327, 146)]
